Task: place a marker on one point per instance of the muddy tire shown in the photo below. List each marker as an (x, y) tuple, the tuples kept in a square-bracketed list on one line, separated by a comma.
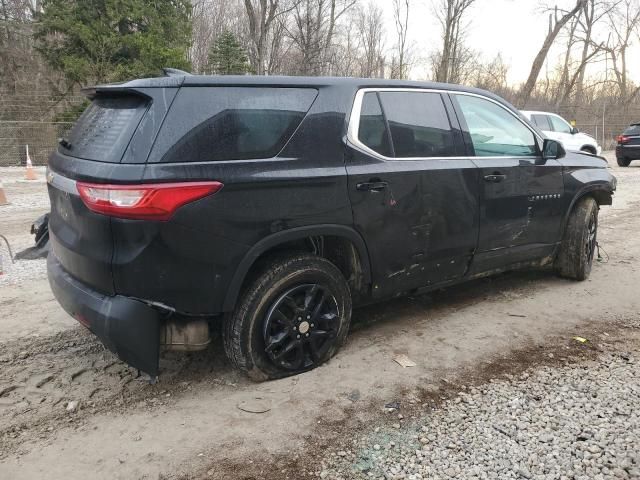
[(624, 162), (292, 316), (579, 243)]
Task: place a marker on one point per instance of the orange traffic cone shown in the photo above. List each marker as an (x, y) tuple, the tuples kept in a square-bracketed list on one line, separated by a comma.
[(31, 173), (3, 197)]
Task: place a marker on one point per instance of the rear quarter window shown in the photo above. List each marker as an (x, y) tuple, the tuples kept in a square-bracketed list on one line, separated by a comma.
[(208, 124), (105, 128), (372, 130)]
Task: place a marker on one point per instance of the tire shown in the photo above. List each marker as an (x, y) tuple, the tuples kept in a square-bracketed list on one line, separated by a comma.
[(623, 162), (579, 243), (267, 339)]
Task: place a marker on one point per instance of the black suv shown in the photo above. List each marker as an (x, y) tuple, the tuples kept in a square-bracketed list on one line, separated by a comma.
[(628, 147), (274, 205)]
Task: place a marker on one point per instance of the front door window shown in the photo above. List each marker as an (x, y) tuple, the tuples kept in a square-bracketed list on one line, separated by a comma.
[(559, 125), (494, 131)]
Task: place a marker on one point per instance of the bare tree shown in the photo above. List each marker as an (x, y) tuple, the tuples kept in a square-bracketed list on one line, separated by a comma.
[(401, 18), (262, 15), (15, 40), (314, 24), (555, 26), (449, 62), (593, 12), (568, 55), (209, 19), (492, 76), (370, 25), (624, 22), (346, 55)]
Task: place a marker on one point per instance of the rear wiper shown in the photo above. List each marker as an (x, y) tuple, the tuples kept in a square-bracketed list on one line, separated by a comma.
[(64, 143)]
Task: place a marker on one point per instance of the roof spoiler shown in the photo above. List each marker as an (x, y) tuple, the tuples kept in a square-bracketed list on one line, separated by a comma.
[(174, 72), (172, 78)]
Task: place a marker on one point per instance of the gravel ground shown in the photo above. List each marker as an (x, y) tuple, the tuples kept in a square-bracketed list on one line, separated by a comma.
[(27, 201), (572, 422), (544, 423)]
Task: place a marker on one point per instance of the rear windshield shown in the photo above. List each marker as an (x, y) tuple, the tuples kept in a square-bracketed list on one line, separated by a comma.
[(632, 130), (104, 130), (208, 124)]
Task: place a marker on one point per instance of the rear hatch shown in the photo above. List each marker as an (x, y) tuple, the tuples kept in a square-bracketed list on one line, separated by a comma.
[(109, 143), (631, 137)]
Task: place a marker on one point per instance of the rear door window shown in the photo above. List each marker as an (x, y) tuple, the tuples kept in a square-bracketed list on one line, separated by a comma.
[(419, 124), (559, 125), (208, 124), (542, 122), (105, 128), (494, 131)]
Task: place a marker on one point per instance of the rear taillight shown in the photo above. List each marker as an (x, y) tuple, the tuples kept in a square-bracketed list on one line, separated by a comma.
[(622, 139), (157, 201)]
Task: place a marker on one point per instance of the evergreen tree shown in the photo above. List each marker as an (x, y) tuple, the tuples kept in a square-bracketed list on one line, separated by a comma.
[(227, 57), (96, 41)]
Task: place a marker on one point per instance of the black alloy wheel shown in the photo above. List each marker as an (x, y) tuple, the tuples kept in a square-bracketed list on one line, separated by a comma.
[(592, 231), (292, 317), (301, 327)]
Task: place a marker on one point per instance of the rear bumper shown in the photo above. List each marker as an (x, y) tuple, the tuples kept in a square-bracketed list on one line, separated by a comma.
[(630, 152), (127, 327)]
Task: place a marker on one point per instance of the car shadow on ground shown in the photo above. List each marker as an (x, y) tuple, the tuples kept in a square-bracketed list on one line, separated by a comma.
[(394, 317)]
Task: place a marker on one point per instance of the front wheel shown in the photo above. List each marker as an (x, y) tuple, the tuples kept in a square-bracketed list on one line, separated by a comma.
[(580, 241), (291, 318)]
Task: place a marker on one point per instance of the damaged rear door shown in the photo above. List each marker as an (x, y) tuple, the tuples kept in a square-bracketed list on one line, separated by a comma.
[(413, 192), (520, 192)]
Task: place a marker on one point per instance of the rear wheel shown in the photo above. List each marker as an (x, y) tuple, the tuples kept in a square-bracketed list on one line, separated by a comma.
[(291, 318), (580, 241), (623, 162)]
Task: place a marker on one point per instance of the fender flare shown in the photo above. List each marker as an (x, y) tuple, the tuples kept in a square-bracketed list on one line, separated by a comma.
[(603, 196), (289, 235)]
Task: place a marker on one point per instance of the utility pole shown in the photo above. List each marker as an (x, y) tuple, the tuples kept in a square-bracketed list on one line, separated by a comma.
[(604, 98)]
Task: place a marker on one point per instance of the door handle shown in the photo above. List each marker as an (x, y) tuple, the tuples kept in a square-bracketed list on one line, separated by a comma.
[(371, 186), (494, 178)]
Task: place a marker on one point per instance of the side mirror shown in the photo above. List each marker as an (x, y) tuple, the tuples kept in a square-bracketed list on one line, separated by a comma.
[(552, 150), (574, 130)]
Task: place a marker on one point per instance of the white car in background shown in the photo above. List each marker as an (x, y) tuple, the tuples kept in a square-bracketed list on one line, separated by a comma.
[(557, 128)]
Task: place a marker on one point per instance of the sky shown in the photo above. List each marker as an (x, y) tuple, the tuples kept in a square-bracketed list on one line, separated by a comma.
[(514, 28)]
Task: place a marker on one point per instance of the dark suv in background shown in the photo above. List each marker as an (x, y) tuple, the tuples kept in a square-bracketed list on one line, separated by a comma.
[(275, 205), (628, 147)]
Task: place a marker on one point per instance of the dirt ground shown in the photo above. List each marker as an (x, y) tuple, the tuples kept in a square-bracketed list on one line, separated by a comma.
[(194, 423)]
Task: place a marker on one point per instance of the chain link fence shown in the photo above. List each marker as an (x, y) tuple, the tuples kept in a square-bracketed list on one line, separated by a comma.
[(605, 135), (41, 138), (36, 119), (604, 122)]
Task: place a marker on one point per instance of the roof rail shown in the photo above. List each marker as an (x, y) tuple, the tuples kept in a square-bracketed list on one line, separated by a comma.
[(174, 72)]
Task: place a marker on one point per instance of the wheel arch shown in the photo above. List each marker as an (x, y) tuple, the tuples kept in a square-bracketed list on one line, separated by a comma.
[(590, 148), (337, 235), (601, 195)]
